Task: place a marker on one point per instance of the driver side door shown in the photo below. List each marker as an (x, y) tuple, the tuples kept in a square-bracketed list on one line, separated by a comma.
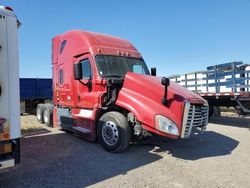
[(85, 86)]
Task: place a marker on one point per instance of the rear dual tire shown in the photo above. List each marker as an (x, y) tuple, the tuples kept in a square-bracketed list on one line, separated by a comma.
[(44, 113), (48, 115), (39, 112)]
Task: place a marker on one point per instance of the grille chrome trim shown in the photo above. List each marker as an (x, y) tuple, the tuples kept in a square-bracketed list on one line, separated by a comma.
[(194, 116), (185, 118)]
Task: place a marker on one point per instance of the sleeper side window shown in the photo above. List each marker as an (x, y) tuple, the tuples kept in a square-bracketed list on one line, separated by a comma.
[(62, 46), (61, 77), (86, 69)]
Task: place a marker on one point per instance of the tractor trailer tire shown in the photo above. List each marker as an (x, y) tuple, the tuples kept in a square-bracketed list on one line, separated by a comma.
[(113, 132), (48, 115), (214, 111), (39, 112)]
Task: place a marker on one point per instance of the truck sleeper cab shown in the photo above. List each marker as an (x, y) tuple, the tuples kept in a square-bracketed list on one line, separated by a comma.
[(103, 89)]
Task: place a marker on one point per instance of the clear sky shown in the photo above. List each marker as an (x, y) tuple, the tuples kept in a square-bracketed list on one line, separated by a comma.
[(176, 36)]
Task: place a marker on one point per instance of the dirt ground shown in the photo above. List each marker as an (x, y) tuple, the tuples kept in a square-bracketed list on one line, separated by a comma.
[(52, 158)]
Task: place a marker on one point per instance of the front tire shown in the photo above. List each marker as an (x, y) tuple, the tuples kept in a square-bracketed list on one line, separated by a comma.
[(113, 132)]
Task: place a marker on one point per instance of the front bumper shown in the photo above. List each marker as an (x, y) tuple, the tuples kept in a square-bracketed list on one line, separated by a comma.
[(7, 163), (9, 157)]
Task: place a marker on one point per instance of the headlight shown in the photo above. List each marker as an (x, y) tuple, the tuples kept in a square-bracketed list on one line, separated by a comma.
[(166, 125)]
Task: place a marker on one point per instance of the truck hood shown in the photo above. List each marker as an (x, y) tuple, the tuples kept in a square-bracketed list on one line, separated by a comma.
[(142, 94), (150, 86)]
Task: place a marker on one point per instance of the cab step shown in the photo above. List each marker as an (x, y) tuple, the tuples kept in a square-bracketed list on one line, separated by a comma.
[(81, 129)]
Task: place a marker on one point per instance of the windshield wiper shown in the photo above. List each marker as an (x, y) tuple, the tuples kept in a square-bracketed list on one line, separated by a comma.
[(113, 75)]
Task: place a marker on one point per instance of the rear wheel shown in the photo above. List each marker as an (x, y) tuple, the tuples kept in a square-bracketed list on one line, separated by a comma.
[(39, 112), (48, 115), (113, 132), (214, 111)]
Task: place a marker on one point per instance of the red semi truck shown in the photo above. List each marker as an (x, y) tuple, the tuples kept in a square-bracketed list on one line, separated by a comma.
[(102, 89)]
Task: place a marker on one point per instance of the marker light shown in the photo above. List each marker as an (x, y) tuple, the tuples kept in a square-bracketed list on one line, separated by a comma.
[(9, 8)]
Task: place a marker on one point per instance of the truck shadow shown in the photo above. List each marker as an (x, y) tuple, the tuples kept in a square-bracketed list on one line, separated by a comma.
[(231, 121), (63, 160), (209, 144), (34, 131)]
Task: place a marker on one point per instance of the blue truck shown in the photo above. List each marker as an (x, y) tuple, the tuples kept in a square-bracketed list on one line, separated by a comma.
[(34, 91)]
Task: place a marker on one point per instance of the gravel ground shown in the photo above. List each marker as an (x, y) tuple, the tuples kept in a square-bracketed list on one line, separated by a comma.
[(51, 158)]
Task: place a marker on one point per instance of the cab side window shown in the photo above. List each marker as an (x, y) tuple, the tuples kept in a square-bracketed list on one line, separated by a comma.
[(87, 73), (138, 69)]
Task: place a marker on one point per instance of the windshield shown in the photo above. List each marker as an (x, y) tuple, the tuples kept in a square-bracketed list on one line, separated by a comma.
[(118, 66)]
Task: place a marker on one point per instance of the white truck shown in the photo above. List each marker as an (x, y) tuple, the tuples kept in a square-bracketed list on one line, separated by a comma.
[(225, 85), (9, 89)]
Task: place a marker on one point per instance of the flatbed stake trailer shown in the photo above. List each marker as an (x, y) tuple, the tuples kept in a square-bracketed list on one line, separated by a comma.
[(224, 85), (102, 89), (9, 89)]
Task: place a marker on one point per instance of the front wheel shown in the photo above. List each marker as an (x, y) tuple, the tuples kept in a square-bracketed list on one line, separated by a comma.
[(113, 132)]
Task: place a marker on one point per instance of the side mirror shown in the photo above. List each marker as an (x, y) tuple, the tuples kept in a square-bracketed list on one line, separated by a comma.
[(78, 71), (153, 71), (165, 81)]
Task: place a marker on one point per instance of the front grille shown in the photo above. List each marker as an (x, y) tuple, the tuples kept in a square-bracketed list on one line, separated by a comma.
[(196, 116)]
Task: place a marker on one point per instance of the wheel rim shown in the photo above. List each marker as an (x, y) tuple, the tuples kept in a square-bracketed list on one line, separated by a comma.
[(110, 133), (38, 114)]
